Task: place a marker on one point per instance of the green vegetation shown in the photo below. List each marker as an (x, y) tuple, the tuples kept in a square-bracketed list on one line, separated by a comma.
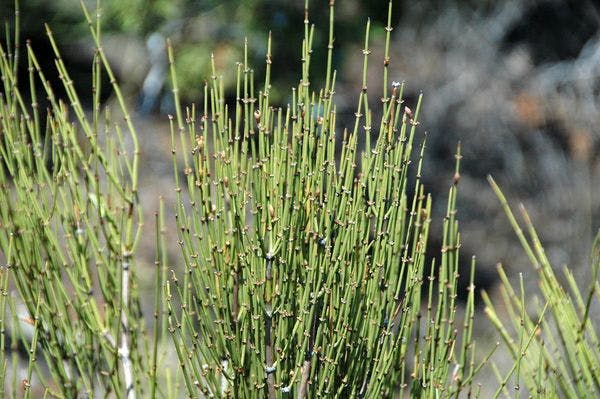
[(70, 225), (304, 262), (196, 32), (556, 355), (304, 274)]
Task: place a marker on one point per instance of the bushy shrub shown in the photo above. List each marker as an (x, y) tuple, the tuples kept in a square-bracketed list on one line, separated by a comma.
[(304, 255)]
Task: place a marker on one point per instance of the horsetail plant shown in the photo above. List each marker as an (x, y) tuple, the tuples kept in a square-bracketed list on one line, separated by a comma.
[(557, 355), (69, 217), (305, 269)]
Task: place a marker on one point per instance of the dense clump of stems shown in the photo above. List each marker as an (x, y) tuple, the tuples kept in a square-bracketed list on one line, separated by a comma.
[(303, 244), (305, 268), (556, 355), (70, 217)]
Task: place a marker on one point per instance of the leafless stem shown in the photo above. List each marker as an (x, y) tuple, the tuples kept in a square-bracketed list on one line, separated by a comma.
[(224, 382), (269, 369), (305, 375), (303, 388), (235, 310), (124, 348)]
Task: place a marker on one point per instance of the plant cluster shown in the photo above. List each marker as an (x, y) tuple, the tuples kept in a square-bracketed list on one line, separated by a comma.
[(304, 262)]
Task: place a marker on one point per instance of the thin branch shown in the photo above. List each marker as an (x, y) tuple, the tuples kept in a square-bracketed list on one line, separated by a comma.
[(124, 348)]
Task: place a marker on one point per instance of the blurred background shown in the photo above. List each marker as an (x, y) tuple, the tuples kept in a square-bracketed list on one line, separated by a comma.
[(516, 82)]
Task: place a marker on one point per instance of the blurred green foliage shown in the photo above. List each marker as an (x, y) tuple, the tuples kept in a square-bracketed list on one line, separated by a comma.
[(199, 28)]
